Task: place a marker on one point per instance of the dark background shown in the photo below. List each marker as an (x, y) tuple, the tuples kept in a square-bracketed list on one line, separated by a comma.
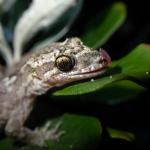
[(135, 30)]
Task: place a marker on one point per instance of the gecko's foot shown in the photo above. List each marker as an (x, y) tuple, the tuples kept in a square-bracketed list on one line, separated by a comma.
[(48, 133)]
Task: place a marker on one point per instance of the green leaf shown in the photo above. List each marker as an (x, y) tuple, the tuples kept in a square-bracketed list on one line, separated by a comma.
[(116, 93), (127, 79), (101, 29), (9, 144), (119, 134), (6, 144), (136, 64), (81, 132), (87, 87), (111, 93)]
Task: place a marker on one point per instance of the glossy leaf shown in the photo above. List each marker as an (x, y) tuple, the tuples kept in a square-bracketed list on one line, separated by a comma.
[(116, 93), (9, 144), (136, 64), (119, 134), (101, 29), (81, 132), (110, 94), (87, 87)]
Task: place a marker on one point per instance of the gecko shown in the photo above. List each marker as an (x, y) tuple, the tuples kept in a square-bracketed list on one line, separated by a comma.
[(56, 65)]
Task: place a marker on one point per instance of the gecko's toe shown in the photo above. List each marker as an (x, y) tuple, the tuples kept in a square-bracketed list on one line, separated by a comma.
[(55, 133)]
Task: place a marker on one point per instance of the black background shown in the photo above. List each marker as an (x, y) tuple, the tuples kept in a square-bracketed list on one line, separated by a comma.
[(135, 30)]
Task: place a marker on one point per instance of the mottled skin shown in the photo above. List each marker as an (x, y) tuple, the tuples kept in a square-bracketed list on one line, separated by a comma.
[(35, 75)]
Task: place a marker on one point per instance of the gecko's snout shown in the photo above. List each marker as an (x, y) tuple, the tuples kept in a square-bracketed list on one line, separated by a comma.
[(104, 56)]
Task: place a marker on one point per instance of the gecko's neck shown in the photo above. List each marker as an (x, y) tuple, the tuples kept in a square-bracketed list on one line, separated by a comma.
[(23, 85)]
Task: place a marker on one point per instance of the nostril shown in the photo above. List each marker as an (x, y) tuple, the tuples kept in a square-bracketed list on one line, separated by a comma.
[(105, 58)]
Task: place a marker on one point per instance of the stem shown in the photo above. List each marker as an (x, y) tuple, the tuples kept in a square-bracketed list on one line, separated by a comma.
[(5, 49)]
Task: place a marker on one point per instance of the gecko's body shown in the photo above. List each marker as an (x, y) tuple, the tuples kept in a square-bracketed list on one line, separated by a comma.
[(54, 66)]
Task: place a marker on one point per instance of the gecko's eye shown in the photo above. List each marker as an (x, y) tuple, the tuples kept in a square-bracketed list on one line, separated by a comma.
[(65, 63)]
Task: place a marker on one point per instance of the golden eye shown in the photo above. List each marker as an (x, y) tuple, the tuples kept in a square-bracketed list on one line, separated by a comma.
[(65, 63)]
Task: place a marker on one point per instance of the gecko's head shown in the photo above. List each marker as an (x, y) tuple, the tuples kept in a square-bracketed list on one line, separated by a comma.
[(68, 61)]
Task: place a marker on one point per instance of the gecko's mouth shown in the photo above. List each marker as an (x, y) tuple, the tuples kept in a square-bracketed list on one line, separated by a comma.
[(90, 73), (98, 70)]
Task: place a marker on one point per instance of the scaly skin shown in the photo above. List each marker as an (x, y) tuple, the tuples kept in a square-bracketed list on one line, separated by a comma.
[(54, 66)]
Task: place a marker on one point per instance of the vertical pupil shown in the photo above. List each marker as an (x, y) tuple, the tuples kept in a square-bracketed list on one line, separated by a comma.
[(64, 62)]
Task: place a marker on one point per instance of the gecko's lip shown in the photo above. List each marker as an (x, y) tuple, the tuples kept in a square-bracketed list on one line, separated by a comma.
[(98, 70)]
